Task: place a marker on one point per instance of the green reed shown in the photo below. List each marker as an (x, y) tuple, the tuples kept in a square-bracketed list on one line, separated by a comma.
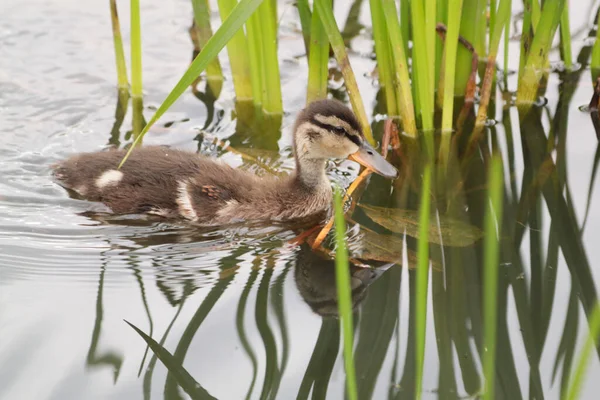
[(136, 50), (385, 58), (118, 43), (400, 76), (136, 69), (446, 84), (255, 52), (422, 65), (318, 59), (595, 63), (565, 38), (237, 49), (592, 341), (493, 230), (537, 54), (472, 12), (342, 274), (214, 73), (501, 16), (339, 48), (422, 279), (235, 20), (271, 100), (305, 22)]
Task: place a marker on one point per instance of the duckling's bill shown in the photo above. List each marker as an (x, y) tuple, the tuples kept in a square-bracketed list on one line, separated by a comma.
[(368, 157)]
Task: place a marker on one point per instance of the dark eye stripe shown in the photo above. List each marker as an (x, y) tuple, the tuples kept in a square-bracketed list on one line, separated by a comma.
[(353, 138)]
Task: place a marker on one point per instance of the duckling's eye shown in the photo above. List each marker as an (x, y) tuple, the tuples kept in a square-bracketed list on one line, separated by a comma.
[(339, 130)]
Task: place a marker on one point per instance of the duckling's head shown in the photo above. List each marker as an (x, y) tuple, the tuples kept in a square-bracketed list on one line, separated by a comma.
[(328, 129)]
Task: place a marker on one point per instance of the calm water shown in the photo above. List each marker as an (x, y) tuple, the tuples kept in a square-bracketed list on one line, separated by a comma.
[(241, 309)]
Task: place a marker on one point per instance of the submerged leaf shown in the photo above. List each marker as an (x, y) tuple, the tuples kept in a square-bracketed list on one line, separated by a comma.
[(386, 248), (184, 379), (372, 246), (450, 232)]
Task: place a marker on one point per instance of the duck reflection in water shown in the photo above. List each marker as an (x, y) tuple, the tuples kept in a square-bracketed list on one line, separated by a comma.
[(314, 276)]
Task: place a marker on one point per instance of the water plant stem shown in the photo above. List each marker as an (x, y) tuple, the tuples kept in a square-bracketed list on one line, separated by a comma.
[(136, 70), (422, 279), (421, 66), (237, 49), (318, 58), (305, 21), (588, 348), (342, 275), (271, 101), (383, 51), (238, 16), (214, 73), (595, 63), (502, 16), (565, 38), (447, 81), (493, 229), (339, 48), (136, 50), (537, 57), (401, 78), (118, 42)]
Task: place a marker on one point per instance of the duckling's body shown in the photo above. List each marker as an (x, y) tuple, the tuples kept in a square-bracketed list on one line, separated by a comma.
[(178, 184)]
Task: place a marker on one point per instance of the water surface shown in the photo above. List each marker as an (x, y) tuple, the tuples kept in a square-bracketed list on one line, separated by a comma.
[(240, 308)]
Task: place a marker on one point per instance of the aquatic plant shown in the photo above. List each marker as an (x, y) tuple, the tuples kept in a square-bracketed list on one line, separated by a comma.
[(343, 293), (427, 56)]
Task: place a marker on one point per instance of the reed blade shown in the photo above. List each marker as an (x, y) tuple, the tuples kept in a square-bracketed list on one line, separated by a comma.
[(502, 15), (305, 21), (422, 280), (271, 102), (565, 38), (401, 77), (237, 49), (118, 43), (447, 81), (226, 31), (584, 356), (537, 57), (383, 52), (422, 65), (472, 12), (318, 58), (339, 48), (136, 71), (342, 275), (595, 63), (136, 50), (255, 52), (493, 229), (214, 73)]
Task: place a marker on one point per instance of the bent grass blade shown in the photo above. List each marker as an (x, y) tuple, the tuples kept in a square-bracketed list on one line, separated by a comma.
[(215, 44)]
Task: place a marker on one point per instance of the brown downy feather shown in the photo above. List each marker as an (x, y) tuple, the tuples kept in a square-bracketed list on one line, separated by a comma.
[(174, 183)]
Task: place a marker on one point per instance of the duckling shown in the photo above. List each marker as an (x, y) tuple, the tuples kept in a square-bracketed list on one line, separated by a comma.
[(179, 184)]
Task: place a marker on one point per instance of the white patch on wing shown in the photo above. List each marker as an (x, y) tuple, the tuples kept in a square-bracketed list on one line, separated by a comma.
[(109, 178), (184, 202)]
